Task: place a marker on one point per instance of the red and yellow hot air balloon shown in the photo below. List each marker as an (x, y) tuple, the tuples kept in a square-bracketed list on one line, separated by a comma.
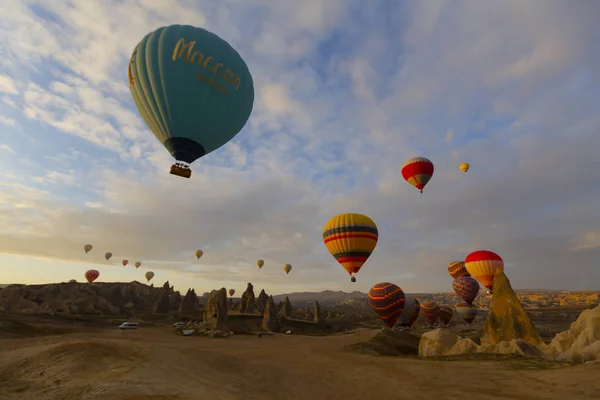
[(91, 275), (124, 262), (466, 288), (457, 269), (387, 300), (482, 265), (418, 171), (231, 292), (350, 238)]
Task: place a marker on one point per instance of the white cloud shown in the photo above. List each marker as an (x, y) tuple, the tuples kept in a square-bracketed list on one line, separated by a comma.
[(7, 85), (344, 94)]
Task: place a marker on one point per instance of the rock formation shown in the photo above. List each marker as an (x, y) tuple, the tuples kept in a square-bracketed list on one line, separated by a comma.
[(389, 343), (175, 301), (189, 304), (270, 321), (285, 308), (248, 300), (507, 320), (215, 315), (316, 312), (163, 304), (309, 313), (261, 301), (581, 342)]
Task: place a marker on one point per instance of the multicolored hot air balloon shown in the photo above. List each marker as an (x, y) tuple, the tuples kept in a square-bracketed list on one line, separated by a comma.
[(350, 238), (287, 268), (91, 275), (482, 265), (199, 253), (260, 264), (418, 171), (466, 311), (429, 311), (410, 312), (466, 288), (149, 275), (193, 90), (464, 167), (137, 264), (445, 315), (387, 300), (416, 314), (108, 255), (457, 268), (231, 292), (87, 248)]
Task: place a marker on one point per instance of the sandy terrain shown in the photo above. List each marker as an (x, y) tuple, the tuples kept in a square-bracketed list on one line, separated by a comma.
[(155, 363)]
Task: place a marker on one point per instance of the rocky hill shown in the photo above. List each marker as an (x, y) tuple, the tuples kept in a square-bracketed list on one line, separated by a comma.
[(103, 299)]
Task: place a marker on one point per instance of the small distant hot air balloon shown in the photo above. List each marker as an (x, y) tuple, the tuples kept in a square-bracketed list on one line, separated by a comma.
[(199, 253), (429, 311), (466, 288), (149, 275), (410, 312), (464, 167), (418, 171), (87, 248), (180, 75), (287, 268), (350, 238), (137, 264), (91, 275), (482, 265), (231, 292), (108, 255), (466, 311), (445, 315), (260, 263), (457, 268), (124, 262), (387, 300)]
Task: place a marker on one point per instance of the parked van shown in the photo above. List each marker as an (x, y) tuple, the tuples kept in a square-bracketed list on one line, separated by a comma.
[(178, 325), (128, 325)]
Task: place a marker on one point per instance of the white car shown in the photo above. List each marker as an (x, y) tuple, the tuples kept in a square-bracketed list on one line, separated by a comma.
[(128, 325), (178, 325)]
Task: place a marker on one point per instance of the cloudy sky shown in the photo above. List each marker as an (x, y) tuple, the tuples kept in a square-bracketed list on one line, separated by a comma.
[(346, 91)]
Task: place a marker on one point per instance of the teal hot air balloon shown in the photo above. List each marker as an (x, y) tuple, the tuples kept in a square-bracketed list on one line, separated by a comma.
[(193, 90)]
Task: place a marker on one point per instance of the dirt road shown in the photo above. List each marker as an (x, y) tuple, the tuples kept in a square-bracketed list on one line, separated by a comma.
[(154, 363)]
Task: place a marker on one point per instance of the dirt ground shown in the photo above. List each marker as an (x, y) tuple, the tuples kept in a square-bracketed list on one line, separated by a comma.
[(155, 363)]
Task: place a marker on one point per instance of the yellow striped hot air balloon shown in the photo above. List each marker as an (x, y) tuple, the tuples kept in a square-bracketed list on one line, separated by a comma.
[(350, 238), (199, 253), (87, 248), (260, 264), (138, 264), (287, 268), (464, 167)]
